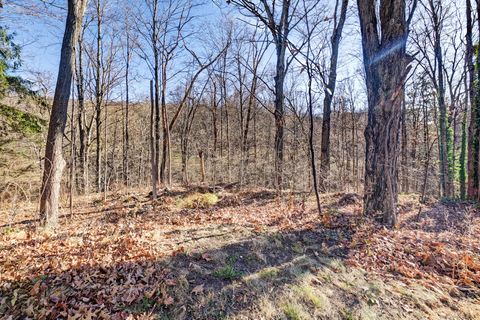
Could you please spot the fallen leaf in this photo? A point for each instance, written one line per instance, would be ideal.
(198, 289)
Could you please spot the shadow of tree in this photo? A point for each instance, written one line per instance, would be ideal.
(455, 216)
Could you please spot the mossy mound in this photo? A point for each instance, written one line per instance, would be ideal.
(198, 201)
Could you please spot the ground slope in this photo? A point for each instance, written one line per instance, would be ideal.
(249, 256)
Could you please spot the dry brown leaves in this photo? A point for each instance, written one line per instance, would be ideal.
(108, 261)
(428, 247)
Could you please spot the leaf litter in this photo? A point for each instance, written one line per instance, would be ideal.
(132, 256)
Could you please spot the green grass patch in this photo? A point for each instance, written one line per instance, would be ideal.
(268, 273)
(228, 272)
(9, 230)
(292, 311)
(347, 314)
(309, 295)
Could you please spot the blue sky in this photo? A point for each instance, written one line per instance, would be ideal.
(40, 36)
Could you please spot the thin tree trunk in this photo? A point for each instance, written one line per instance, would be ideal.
(404, 148)
(81, 118)
(156, 70)
(310, 137)
(152, 143)
(330, 91)
(98, 96)
(105, 155)
(127, 109)
(201, 156)
(72, 151)
(279, 115)
(444, 145)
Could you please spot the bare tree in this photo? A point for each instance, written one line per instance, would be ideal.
(330, 83)
(279, 21)
(54, 161)
(435, 10)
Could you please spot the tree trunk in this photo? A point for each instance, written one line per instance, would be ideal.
(72, 152)
(279, 115)
(385, 61)
(98, 97)
(156, 70)
(152, 143)
(201, 156)
(163, 164)
(127, 107)
(54, 162)
(329, 92)
(81, 118)
(404, 148)
(474, 125)
(105, 153)
(443, 141)
(310, 136)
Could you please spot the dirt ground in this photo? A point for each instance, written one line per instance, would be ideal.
(251, 255)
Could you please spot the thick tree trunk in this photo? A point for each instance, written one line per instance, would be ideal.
(54, 162)
(385, 61)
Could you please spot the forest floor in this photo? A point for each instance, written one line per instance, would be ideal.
(249, 256)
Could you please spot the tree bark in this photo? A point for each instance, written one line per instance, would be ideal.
(385, 61)
(54, 161)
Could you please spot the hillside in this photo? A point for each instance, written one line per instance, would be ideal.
(248, 256)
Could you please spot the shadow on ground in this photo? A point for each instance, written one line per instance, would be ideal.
(191, 284)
